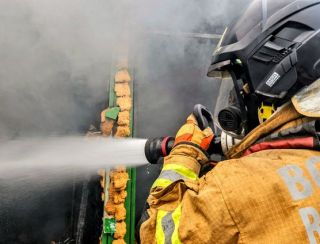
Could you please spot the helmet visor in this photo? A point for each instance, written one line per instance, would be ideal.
(226, 98)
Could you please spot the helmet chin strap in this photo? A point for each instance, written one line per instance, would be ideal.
(242, 106)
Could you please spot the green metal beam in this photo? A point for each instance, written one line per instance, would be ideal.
(130, 202)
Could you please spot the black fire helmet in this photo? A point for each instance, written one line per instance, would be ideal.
(275, 44)
(273, 48)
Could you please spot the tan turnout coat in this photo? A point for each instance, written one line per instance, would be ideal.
(270, 196)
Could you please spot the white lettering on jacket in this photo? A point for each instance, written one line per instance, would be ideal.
(313, 170)
(300, 187)
(311, 221)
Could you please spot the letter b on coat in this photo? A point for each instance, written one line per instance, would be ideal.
(299, 186)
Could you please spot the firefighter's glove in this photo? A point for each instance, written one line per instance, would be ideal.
(192, 142)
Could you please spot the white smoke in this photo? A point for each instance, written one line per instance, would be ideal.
(55, 56)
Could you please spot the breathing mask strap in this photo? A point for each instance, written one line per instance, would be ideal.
(242, 106)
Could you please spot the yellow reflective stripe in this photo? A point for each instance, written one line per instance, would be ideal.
(167, 226)
(188, 173)
(159, 230)
(177, 170)
(161, 183)
(176, 219)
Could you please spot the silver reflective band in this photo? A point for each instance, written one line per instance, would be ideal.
(171, 175)
(168, 227)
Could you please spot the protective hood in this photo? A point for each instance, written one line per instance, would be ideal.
(307, 101)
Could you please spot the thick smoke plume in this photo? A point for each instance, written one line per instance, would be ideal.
(56, 60)
(56, 55)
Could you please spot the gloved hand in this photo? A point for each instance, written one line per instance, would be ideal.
(186, 157)
(192, 142)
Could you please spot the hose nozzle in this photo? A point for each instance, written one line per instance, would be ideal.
(160, 147)
(157, 148)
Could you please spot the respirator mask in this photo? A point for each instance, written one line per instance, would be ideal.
(231, 113)
(230, 117)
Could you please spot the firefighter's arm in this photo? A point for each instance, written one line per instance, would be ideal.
(179, 174)
(205, 216)
(198, 215)
(184, 161)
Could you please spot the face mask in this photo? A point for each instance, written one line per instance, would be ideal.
(230, 114)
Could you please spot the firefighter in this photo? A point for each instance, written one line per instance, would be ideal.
(268, 189)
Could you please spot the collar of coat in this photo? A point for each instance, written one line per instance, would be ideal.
(286, 129)
(292, 126)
